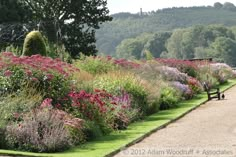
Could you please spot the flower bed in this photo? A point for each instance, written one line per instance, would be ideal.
(92, 98)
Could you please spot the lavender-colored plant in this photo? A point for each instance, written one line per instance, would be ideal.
(185, 90)
(221, 71)
(124, 113)
(172, 74)
(42, 130)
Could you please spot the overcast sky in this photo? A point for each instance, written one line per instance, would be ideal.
(134, 6)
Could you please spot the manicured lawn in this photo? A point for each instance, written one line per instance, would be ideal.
(136, 131)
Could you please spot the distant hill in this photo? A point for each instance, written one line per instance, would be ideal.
(127, 25)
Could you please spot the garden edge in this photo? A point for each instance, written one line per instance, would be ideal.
(139, 139)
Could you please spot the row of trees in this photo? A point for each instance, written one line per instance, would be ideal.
(226, 5)
(137, 47)
(126, 25)
(198, 41)
(69, 22)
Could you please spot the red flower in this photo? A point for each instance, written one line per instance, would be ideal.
(97, 90)
(123, 106)
(58, 105)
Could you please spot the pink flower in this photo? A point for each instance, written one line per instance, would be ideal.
(7, 73)
(46, 103)
(34, 79)
(28, 72)
(49, 77)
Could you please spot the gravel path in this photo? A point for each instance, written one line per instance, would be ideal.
(208, 131)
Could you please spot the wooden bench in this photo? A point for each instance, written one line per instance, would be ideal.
(211, 93)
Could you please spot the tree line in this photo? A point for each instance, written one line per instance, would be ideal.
(127, 25)
(200, 41)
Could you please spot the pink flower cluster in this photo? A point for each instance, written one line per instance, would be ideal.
(100, 102)
(177, 62)
(82, 100)
(69, 120)
(46, 103)
(194, 84)
(62, 115)
(125, 63)
(36, 62)
(121, 62)
(181, 65)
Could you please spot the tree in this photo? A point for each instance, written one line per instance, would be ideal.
(229, 6)
(174, 44)
(133, 47)
(157, 44)
(13, 11)
(13, 34)
(12, 16)
(225, 49)
(218, 5)
(187, 45)
(130, 48)
(73, 22)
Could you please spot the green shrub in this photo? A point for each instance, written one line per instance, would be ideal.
(14, 49)
(206, 75)
(58, 51)
(16, 103)
(34, 44)
(139, 95)
(2, 139)
(92, 130)
(169, 98)
(153, 89)
(84, 81)
(148, 55)
(95, 65)
(115, 82)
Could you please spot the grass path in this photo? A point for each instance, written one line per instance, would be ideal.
(116, 141)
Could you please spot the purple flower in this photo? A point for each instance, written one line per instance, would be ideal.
(184, 89)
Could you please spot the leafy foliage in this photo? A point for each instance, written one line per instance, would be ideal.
(127, 25)
(95, 65)
(21, 101)
(169, 98)
(213, 41)
(115, 82)
(68, 22)
(34, 44)
(68, 107)
(13, 11)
